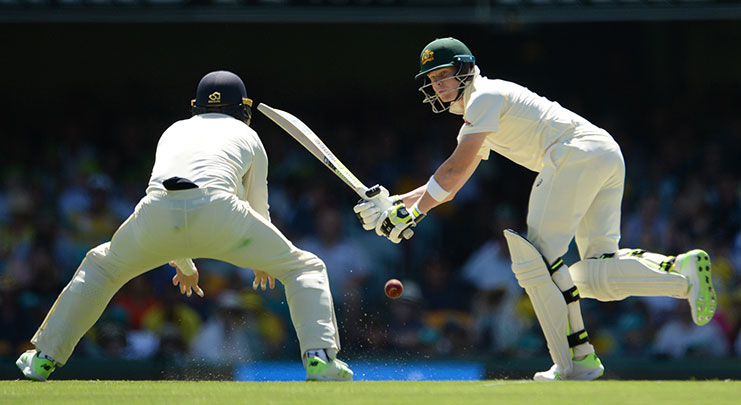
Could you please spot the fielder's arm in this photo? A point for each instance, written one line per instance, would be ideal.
(452, 174)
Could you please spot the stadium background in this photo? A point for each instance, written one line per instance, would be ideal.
(88, 87)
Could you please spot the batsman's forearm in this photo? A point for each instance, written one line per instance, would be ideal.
(451, 178)
(413, 196)
(426, 203)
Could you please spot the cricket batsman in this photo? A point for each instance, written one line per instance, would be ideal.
(577, 194)
(207, 197)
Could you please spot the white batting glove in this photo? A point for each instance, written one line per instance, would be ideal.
(369, 210)
(396, 223)
(368, 213)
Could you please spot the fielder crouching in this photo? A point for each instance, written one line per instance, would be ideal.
(577, 194)
(207, 197)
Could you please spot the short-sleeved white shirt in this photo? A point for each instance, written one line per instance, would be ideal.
(521, 124)
(214, 151)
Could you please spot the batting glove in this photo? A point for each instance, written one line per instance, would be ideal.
(369, 210)
(397, 222)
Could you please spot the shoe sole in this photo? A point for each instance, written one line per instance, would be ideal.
(703, 299)
(325, 378)
(590, 375)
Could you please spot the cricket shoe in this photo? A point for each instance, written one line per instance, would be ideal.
(586, 369)
(334, 370)
(34, 367)
(695, 266)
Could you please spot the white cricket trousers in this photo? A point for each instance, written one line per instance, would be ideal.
(197, 223)
(578, 194)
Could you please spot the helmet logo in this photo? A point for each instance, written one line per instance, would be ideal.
(214, 97)
(427, 56)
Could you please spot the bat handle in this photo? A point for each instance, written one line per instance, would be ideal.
(373, 191)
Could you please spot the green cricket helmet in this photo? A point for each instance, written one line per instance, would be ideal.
(442, 53)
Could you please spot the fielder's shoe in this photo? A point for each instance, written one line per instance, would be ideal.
(34, 367)
(587, 369)
(695, 266)
(320, 370)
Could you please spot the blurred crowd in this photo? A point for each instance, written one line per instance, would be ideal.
(68, 185)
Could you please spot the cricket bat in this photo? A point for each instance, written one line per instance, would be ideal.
(309, 140)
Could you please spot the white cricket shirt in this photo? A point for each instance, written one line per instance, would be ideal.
(521, 124)
(214, 151)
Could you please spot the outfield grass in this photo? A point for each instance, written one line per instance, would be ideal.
(371, 392)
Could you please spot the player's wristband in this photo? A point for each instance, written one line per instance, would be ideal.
(417, 213)
(436, 191)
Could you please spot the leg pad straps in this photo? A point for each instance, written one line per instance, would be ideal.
(577, 338)
(570, 295)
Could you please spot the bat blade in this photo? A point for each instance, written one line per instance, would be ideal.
(309, 140)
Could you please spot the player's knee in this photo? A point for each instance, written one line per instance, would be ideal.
(591, 279)
(309, 272)
(100, 268)
(527, 263)
(551, 247)
(314, 264)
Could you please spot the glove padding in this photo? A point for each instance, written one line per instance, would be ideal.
(396, 222)
(369, 210)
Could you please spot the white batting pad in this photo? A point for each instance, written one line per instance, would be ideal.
(626, 275)
(548, 301)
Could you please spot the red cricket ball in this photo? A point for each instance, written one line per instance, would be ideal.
(393, 288)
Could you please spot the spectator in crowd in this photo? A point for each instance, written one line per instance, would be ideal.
(173, 322)
(51, 199)
(346, 260)
(409, 335)
(679, 337)
(231, 334)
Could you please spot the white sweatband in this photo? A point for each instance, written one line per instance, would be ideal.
(436, 191)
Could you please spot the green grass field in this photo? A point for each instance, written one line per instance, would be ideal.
(371, 392)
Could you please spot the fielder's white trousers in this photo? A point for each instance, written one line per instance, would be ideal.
(578, 194)
(198, 223)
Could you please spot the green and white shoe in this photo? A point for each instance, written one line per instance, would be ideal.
(695, 266)
(320, 370)
(588, 369)
(34, 367)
